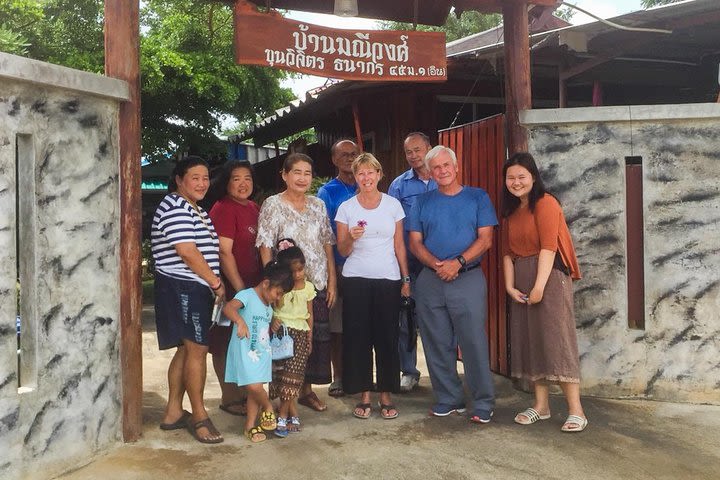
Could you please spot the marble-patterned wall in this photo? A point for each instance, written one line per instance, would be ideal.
(581, 153)
(69, 407)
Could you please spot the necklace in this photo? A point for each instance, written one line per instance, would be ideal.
(348, 191)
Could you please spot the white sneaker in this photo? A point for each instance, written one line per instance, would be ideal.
(408, 382)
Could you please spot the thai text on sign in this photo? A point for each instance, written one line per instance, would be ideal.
(377, 55)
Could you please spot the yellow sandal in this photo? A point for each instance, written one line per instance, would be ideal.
(268, 422)
(255, 435)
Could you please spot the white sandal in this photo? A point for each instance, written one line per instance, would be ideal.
(531, 416)
(574, 420)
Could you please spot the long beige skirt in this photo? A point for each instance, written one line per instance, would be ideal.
(543, 343)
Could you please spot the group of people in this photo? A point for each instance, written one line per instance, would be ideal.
(334, 272)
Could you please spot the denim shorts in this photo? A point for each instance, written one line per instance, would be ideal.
(183, 311)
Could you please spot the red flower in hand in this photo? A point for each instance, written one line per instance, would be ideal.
(361, 223)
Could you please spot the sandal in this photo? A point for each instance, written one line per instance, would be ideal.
(215, 436)
(387, 408)
(293, 424)
(239, 412)
(268, 421)
(366, 411)
(179, 423)
(531, 416)
(336, 389)
(311, 400)
(282, 429)
(579, 424)
(255, 435)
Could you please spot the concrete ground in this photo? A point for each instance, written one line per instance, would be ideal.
(629, 439)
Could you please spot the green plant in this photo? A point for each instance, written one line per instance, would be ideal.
(317, 182)
(148, 262)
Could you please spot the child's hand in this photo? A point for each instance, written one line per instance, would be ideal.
(309, 342)
(242, 329)
(275, 324)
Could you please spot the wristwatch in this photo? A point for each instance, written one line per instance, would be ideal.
(406, 279)
(461, 259)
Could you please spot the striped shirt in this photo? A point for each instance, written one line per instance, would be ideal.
(176, 221)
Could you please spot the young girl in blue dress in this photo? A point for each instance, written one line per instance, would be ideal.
(249, 360)
(294, 312)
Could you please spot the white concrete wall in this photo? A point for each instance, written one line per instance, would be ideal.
(581, 153)
(64, 125)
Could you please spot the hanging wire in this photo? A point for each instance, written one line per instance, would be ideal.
(457, 114)
(615, 25)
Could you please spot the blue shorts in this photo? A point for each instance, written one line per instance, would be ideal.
(183, 311)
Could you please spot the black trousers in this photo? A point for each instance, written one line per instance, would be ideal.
(370, 322)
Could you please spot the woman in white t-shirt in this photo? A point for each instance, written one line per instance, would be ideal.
(375, 276)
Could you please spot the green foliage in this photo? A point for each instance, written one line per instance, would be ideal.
(566, 13)
(189, 76)
(307, 135)
(654, 3)
(12, 42)
(469, 23)
(317, 182)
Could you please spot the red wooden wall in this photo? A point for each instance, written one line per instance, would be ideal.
(480, 148)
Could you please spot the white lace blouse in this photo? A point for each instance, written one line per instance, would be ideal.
(310, 229)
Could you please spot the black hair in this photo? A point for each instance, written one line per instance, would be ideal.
(290, 254)
(181, 168)
(218, 185)
(510, 202)
(279, 275)
(294, 158)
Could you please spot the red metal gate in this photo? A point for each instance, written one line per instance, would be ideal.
(480, 148)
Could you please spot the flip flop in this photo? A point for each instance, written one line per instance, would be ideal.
(574, 420)
(531, 416)
(365, 407)
(238, 413)
(311, 400)
(207, 423)
(387, 408)
(177, 425)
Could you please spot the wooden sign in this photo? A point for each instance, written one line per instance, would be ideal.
(270, 40)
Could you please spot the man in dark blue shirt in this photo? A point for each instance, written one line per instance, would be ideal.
(333, 193)
(407, 188)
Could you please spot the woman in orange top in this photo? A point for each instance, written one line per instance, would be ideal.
(539, 263)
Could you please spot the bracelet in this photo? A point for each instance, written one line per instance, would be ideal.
(406, 279)
(217, 287)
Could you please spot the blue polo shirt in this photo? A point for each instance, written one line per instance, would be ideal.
(407, 187)
(333, 193)
(449, 223)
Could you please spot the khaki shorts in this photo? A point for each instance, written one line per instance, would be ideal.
(336, 310)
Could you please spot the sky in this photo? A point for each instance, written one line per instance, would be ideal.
(303, 83)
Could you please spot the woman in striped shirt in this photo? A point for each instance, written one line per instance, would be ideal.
(187, 268)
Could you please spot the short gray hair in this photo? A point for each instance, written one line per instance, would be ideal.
(435, 151)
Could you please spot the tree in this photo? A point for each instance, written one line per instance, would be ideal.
(469, 22)
(654, 3)
(189, 77)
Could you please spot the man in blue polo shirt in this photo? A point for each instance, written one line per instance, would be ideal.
(407, 188)
(333, 193)
(451, 228)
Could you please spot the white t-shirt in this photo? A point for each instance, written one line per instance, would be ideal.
(373, 254)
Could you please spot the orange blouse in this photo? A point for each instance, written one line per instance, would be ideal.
(525, 233)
